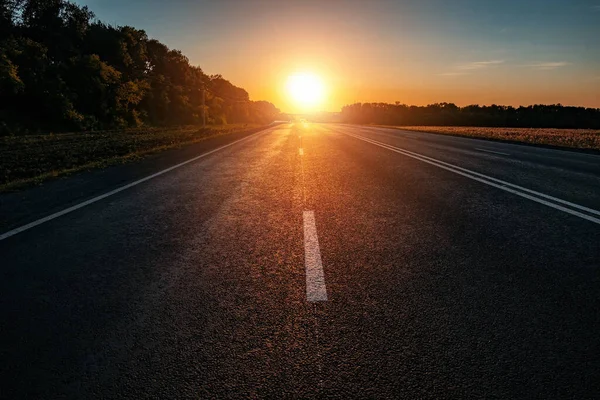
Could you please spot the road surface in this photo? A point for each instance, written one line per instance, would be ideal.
(309, 261)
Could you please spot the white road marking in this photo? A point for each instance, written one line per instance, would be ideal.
(490, 151)
(315, 278)
(497, 183)
(301, 151)
(40, 221)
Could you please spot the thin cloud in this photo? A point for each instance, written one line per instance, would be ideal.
(453, 74)
(596, 8)
(548, 65)
(480, 64)
(466, 69)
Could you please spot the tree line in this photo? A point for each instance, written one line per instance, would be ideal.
(63, 70)
(448, 114)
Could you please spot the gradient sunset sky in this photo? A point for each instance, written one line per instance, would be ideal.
(512, 52)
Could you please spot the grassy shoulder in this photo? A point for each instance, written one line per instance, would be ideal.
(569, 138)
(32, 159)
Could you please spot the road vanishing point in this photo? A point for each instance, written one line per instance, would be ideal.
(308, 261)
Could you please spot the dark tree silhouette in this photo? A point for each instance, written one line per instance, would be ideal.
(61, 70)
(448, 114)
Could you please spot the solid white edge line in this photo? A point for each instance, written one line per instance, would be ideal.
(490, 151)
(315, 277)
(557, 200)
(117, 190)
(489, 181)
(504, 183)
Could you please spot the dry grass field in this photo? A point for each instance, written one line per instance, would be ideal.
(31, 159)
(571, 138)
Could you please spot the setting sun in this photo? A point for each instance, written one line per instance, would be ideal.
(306, 90)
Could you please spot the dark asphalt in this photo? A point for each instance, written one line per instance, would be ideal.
(193, 285)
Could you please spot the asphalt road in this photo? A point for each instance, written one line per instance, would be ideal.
(374, 263)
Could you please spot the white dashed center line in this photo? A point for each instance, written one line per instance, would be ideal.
(315, 278)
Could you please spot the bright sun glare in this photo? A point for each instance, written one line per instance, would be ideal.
(305, 89)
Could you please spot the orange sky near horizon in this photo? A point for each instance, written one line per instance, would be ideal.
(359, 66)
(409, 83)
(465, 52)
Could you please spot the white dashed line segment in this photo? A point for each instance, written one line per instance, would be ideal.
(315, 277)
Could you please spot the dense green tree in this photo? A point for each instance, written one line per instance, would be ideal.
(62, 70)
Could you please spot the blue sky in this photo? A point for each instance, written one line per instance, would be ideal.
(418, 52)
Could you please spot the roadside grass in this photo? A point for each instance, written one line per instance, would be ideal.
(32, 159)
(569, 138)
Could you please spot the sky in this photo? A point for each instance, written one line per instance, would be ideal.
(510, 52)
